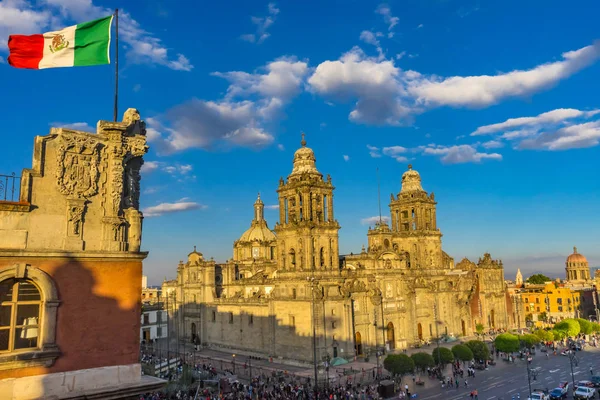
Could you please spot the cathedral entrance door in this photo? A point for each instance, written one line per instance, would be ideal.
(464, 328)
(493, 322)
(193, 331)
(358, 344)
(420, 331)
(390, 336)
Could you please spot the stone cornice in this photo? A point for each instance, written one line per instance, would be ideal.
(15, 206)
(77, 255)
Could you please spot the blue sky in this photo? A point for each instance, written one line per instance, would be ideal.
(494, 103)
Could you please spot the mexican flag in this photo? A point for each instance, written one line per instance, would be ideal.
(76, 46)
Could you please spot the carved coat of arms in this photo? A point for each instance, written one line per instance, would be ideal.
(77, 166)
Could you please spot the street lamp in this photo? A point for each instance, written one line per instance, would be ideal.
(573, 360)
(531, 373)
(435, 321)
(311, 280)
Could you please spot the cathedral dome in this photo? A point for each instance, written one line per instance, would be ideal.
(576, 257)
(304, 159)
(411, 181)
(258, 233)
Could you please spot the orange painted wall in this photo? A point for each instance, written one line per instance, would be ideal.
(99, 315)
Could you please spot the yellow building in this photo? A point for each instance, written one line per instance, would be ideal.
(550, 302)
(285, 286)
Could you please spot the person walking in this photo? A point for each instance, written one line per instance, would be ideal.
(475, 395)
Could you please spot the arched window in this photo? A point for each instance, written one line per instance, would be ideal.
(20, 302)
(28, 303)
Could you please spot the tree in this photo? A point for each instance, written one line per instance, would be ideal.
(462, 353)
(569, 325)
(538, 279)
(479, 349)
(585, 325)
(543, 316)
(442, 355)
(399, 364)
(544, 335)
(479, 328)
(422, 361)
(595, 327)
(507, 342)
(559, 335)
(528, 340)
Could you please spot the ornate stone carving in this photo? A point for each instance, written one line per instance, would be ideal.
(75, 218)
(77, 165)
(134, 231)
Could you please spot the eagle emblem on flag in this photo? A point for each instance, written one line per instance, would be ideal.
(58, 43)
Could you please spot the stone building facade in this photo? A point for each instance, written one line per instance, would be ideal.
(71, 268)
(283, 288)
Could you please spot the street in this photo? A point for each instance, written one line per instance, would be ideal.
(505, 381)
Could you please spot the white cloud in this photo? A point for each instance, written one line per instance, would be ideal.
(169, 208)
(280, 147)
(233, 120)
(171, 169)
(459, 154)
(486, 90)
(493, 144)
(374, 220)
(400, 55)
(370, 37)
(20, 17)
(373, 83)
(388, 18)
(387, 95)
(272, 207)
(262, 24)
(550, 117)
(137, 87)
(419, 26)
(396, 153)
(77, 126)
(346, 157)
(560, 129)
(374, 151)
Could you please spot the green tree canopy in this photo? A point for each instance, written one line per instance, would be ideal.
(422, 360)
(479, 349)
(569, 326)
(399, 364)
(544, 335)
(528, 340)
(462, 352)
(543, 316)
(479, 328)
(595, 327)
(538, 279)
(507, 342)
(585, 325)
(442, 355)
(559, 335)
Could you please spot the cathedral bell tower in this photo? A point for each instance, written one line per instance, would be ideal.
(414, 222)
(307, 233)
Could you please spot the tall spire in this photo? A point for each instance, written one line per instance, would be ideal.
(303, 141)
(259, 209)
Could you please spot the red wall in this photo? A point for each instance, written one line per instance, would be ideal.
(98, 320)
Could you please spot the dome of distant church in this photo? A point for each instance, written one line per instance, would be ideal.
(304, 159)
(576, 257)
(258, 232)
(411, 180)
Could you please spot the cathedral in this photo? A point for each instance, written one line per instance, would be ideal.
(288, 289)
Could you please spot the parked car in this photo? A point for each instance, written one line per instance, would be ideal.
(560, 392)
(585, 383)
(596, 380)
(584, 392)
(539, 394)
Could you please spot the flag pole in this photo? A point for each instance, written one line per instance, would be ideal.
(116, 65)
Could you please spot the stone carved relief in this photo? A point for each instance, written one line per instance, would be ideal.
(75, 218)
(134, 221)
(77, 166)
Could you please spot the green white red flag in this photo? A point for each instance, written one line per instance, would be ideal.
(76, 46)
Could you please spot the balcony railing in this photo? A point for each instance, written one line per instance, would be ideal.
(10, 186)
